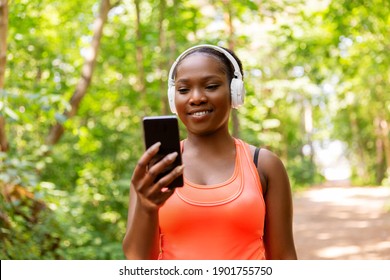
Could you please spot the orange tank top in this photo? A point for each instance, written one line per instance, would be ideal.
(223, 221)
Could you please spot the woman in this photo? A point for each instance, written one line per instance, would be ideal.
(235, 203)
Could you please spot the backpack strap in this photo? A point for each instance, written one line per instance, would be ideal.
(256, 156)
(262, 179)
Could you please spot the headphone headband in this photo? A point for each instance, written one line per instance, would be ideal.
(237, 71)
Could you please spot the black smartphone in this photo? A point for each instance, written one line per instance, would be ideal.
(164, 129)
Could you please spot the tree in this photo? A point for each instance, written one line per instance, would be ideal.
(360, 30)
(86, 75)
(3, 59)
(340, 48)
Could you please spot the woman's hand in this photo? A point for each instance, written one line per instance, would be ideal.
(152, 195)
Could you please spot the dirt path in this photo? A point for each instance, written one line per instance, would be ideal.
(336, 221)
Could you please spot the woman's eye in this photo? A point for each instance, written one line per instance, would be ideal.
(182, 90)
(212, 87)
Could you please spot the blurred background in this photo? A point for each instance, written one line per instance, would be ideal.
(76, 78)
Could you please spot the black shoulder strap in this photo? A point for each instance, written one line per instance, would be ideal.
(262, 179)
(256, 156)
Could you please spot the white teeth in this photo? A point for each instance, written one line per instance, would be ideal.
(198, 114)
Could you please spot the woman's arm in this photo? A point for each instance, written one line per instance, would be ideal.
(278, 231)
(141, 240)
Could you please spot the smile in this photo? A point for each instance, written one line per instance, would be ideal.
(200, 113)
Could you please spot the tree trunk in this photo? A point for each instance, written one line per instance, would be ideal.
(171, 52)
(3, 39)
(380, 161)
(361, 165)
(3, 60)
(162, 60)
(140, 86)
(229, 23)
(86, 76)
(384, 130)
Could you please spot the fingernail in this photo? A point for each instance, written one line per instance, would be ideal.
(180, 168)
(172, 156)
(155, 145)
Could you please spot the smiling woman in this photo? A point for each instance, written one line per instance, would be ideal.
(236, 199)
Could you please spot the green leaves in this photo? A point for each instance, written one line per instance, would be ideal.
(313, 73)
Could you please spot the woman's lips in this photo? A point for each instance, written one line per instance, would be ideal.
(199, 113)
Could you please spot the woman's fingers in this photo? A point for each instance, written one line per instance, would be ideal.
(159, 192)
(163, 196)
(167, 179)
(161, 185)
(160, 166)
(144, 176)
(142, 165)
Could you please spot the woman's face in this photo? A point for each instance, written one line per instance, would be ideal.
(202, 95)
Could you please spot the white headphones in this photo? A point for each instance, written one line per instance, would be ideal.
(237, 88)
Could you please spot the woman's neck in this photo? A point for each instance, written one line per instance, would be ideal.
(213, 142)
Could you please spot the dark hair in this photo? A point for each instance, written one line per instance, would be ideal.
(227, 66)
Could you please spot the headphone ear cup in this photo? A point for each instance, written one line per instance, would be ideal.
(237, 90)
(171, 98)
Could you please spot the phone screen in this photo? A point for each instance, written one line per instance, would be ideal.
(164, 129)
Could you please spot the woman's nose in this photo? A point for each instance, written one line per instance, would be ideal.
(198, 96)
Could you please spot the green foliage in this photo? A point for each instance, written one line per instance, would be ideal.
(28, 227)
(327, 59)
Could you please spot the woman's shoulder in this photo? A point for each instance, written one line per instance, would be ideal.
(270, 167)
(265, 155)
(268, 163)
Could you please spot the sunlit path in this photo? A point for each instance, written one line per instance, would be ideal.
(336, 221)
